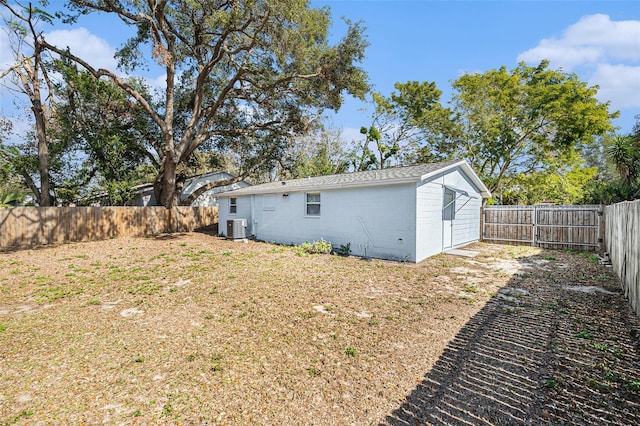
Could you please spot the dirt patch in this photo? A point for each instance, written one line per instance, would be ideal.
(194, 329)
(542, 351)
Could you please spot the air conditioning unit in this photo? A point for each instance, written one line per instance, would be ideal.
(236, 229)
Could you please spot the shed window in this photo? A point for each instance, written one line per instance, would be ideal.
(233, 205)
(449, 205)
(313, 204)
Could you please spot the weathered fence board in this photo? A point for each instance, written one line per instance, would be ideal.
(552, 227)
(623, 246)
(33, 226)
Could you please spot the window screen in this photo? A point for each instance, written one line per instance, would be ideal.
(449, 205)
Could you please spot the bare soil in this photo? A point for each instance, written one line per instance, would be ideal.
(193, 329)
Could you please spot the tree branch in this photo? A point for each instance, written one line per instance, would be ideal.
(117, 80)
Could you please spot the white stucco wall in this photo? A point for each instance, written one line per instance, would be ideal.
(376, 221)
(401, 222)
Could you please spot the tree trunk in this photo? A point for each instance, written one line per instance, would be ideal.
(41, 131)
(164, 186)
(204, 188)
(43, 158)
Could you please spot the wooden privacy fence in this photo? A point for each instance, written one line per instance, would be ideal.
(623, 245)
(551, 227)
(33, 226)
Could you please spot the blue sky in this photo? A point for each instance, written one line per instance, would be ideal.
(438, 41)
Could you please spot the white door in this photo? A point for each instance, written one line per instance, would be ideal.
(448, 217)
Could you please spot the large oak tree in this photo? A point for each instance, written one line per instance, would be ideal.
(241, 75)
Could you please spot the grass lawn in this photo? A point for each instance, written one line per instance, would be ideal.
(194, 329)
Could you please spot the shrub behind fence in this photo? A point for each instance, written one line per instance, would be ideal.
(33, 226)
(623, 245)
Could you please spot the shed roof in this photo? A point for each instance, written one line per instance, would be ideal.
(389, 176)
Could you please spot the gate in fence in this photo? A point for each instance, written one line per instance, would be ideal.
(551, 227)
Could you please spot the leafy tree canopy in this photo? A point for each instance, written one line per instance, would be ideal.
(111, 133)
(525, 120)
(623, 154)
(522, 130)
(241, 76)
(319, 153)
(402, 124)
(542, 187)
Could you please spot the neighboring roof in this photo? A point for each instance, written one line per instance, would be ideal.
(195, 182)
(192, 183)
(142, 187)
(390, 176)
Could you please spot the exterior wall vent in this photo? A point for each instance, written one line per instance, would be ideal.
(236, 229)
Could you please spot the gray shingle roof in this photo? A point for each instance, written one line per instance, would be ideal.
(393, 175)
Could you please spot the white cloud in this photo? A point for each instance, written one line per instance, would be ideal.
(159, 82)
(601, 51)
(593, 39)
(619, 84)
(94, 50)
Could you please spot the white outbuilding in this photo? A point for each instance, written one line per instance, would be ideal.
(400, 213)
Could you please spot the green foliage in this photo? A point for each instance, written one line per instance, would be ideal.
(526, 120)
(319, 153)
(584, 335)
(82, 127)
(344, 250)
(624, 154)
(350, 351)
(317, 247)
(401, 123)
(99, 119)
(11, 190)
(30, 77)
(523, 130)
(11, 198)
(23, 414)
(632, 385)
(551, 383)
(559, 188)
(278, 71)
(601, 192)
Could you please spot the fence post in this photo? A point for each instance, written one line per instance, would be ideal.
(534, 229)
(482, 212)
(602, 223)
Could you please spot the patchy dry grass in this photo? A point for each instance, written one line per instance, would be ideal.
(194, 329)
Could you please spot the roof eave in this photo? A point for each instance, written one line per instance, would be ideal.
(483, 190)
(287, 189)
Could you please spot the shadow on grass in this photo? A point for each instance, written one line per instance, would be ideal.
(538, 353)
